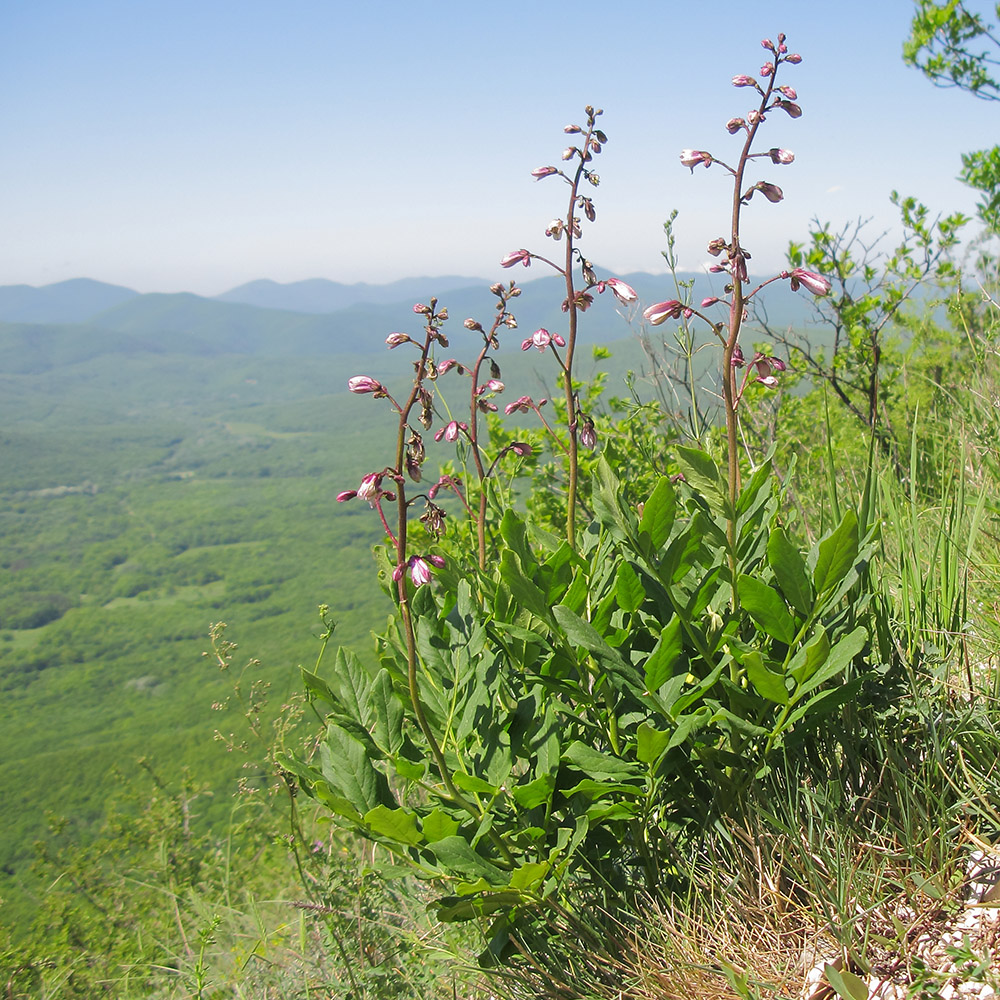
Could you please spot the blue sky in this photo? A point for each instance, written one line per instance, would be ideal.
(197, 145)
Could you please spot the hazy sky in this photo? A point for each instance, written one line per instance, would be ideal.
(197, 145)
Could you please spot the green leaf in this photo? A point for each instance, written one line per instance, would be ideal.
(669, 648)
(836, 554)
(345, 766)
(767, 683)
(847, 985)
(529, 875)
(316, 687)
(600, 766)
(651, 743)
(583, 635)
(514, 533)
(437, 825)
(470, 783)
(696, 692)
(840, 657)
(790, 571)
(607, 504)
(352, 684)
(629, 591)
(658, 513)
(523, 590)
(455, 854)
(767, 609)
(688, 724)
(388, 729)
(700, 470)
(811, 657)
(534, 793)
(394, 824)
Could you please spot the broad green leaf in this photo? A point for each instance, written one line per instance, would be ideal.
(700, 470)
(534, 793)
(810, 657)
(394, 824)
(767, 609)
(847, 985)
(583, 635)
(346, 767)
(514, 533)
(316, 687)
(455, 854)
(843, 651)
(470, 783)
(836, 554)
(628, 588)
(524, 591)
(597, 765)
(529, 875)
(767, 683)
(658, 513)
(696, 692)
(612, 790)
(789, 570)
(437, 825)
(454, 909)
(660, 665)
(688, 724)
(352, 684)
(650, 743)
(606, 501)
(388, 729)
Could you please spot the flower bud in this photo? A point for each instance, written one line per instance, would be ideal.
(692, 157)
(794, 58)
(710, 301)
(742, 80)
(346, 495)
(539, 172)
(472, 324)
(363, 383)
(572, 129)
(520, 448)
(625, 293)
(588, 436)
(734, 125)
(767, 69)
(794, 111)
(569, 152)
(661, 311)
(781, 155)
(716, 246)
(521, 405)
(395, 339)
(516, 257)
(789, 92)
(812, 281)
(421, 310)
(766, 43)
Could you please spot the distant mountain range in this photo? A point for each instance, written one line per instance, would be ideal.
(80, 319)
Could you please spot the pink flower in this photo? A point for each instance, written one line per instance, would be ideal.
(495, 385)
(781, 155)
(539, 172)
(421, 310)
(789, 92)
(710, 301)
(395, 339)
(521, 405)
(734, 125)
(742, 80)
(520, 448)
(794, 111)
(767, 69)
(588, 436)
(541, 339)
(794, 58)
(346, 495)
(812, 281)
(656, 314)
(420, 569)
(516, 257)
(692, 157)
(625, 294)
(569, 152)
(449, 432)
(370, 488)
(766, 43)
(364, 383)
